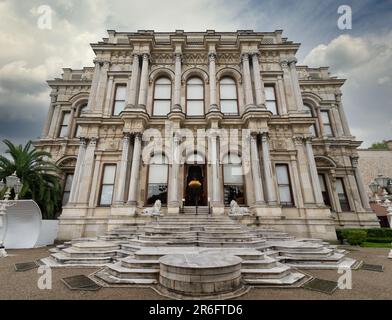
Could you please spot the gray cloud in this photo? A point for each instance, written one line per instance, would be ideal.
(30, 56)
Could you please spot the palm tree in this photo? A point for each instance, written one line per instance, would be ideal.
(39, 176)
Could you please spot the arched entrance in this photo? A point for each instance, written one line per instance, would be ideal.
(195, 169)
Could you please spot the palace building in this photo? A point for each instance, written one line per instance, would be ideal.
(230, 110)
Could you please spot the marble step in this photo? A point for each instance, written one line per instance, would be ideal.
(133, 263)
(125, 273)
(95, 246)
(112, 280)
(344, 263)
(74, 253)
(63, 258)
(277, 272)
(265, 263)
(291, 279)
(334, 257)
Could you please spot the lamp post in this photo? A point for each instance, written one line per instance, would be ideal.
(12, 182)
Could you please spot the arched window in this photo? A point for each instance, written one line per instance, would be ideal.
(162, 97)
(309, 111)
(194, 97)
(228, 96)
(157, 179)
(233, 179)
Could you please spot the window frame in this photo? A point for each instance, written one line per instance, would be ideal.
(290, 185)
(350, 209)
(148, 179)
(101, 184)
(154, 99)
(67, 174)
(273, 86)
(114, 100)
(62, 125)
(327, 112)
(243, 177)
(186, 98)
(312, 113)
(236, 93)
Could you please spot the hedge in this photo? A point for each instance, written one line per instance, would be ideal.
(357, 235)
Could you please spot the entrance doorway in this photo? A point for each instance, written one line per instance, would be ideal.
(198, 172)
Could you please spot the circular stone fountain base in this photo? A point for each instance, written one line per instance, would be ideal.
(200, 274)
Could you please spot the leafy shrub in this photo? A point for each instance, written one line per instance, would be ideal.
(379, 239)
(356, 237)
(379, 233)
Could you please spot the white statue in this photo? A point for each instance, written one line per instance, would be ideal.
(155, 210)
(236, 210)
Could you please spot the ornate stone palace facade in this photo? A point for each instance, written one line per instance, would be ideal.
(231, 110)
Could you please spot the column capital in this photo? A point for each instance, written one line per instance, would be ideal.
(292, 61)
(212, 56)
(146, 56)
(93, 141)
(83, 141)
(178, 56)
(284, 63)
(245, 56)
(338, 97)
(298, 140)
(264, 136)
(127, 136)
(255, 54)
(354, 161)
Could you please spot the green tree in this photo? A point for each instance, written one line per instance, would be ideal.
(379, 145)
(38, 174)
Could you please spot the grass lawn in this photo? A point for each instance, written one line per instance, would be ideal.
(376, 245)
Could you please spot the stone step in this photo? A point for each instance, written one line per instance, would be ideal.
(95, 246)
(132, 263)
(265, 263)
(288, 280)
(63, 258)
(112, 280)
(277, 272)
(344, 263)
(74, 253)
(125, 273)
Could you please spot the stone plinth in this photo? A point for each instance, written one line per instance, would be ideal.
(200, 274)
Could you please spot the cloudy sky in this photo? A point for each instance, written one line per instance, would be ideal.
(30, 55)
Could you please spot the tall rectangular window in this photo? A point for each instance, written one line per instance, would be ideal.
(162, 97)
(63, 133)
(326, 123)
(67, 188)
(284, 185)
(195, 97)
(324, 190)
(107, 185)
(119, 99)
(270, 99)
(342, 195)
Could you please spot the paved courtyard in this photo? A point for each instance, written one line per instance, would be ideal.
(23, 285)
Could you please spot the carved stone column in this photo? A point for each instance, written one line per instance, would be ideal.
(283, 105)
(342, 114)
(313, 172)
(213, 144)
(86, 173)
(247, 80)
(122, 171)
(269, 184)
(212, 71)
(360, 184)
(256, 173)
(295, 83)
(177, 82)
(288, 87)
(174, 201)
(144, 82)
(132, 91)
(77, 172)
(53, 99)
(101, 88)
(94, 85)
(135, 169)
(259, 86)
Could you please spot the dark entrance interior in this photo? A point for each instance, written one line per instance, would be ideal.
(197, 172)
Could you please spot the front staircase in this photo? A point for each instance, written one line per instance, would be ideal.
(130, 254)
